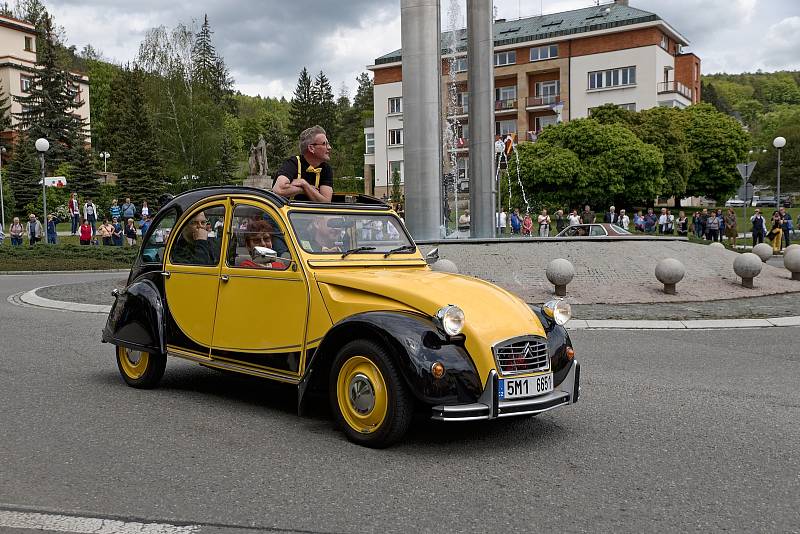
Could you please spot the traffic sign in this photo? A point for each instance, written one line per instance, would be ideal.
(746, 169)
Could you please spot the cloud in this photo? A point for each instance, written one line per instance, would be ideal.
(782, 44)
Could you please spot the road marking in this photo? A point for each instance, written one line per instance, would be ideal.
(87, 525)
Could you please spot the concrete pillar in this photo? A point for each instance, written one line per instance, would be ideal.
(420, 28)
(480, 79)
(522, 98)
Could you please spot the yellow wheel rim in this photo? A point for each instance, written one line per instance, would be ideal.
(133, 362)
(361, 392)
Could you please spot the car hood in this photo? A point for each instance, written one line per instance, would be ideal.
(492, 314)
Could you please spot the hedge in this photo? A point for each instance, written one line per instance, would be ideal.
(65, 257)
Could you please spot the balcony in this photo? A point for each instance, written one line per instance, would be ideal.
(675, 87)
(541, 102)
(501, 106)
(458, 111)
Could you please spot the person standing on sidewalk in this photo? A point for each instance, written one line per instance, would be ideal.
(74, 213)
(90, 213)
(128, 209)
(51, 230)
(130, 232)
(105, 231)
(561, 221)
(86, 233)
(34, 229)
(712, 227)
(16, 231)
(115, 210)
(544, 224)
(786, 226)
(683, 224)
(731, 231)
(759, 227)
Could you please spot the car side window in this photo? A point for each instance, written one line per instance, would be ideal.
(199, 240)
(153, 250)
(597, 230)
(256, 241)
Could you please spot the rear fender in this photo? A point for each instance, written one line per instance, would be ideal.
(137, 319)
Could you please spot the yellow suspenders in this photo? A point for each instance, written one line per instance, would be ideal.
(316, 171)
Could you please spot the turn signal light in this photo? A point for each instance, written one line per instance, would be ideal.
(570, 353)
(437, 370)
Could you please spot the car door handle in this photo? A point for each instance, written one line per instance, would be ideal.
(224, 278)
(166, 274)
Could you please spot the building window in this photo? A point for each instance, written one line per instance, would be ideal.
(25, 83)
(77, 97)
(664, 42)
(548, 91)
(395, 105)
(396, 137)
(612, 78)
(369, 139)
(505, 58)
(505, 127)
(29, 44)
(505, 93)
(541, 122)
(462, 100)
(544, 52)
(461, 64)
(395, 166)
(462, 132)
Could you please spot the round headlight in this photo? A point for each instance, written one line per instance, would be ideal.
(558, 310)
(451, 319)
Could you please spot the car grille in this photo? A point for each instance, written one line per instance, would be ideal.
(522, 355)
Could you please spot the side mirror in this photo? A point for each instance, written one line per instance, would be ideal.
(265, 255)
(432, 256)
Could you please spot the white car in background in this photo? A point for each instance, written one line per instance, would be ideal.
(735, 203)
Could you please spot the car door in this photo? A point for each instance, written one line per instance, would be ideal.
(262, 305)
(191, 275)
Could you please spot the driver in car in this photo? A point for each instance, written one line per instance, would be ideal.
(324, 232)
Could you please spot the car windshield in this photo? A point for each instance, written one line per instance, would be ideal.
(619, 229)
(339, 233)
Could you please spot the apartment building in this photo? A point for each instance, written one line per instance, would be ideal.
(18, 62)
(548, 68)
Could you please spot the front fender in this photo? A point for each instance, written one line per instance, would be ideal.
(416, 345)
(557, 342)
(137, 319)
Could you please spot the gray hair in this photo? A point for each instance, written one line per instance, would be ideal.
(308, 135)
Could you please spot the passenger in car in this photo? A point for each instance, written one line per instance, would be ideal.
(259, 234)
(193, 246)
(324, 234)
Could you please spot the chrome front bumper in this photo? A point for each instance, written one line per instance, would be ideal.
(489, 406)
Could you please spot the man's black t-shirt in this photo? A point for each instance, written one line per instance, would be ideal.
(289, 169)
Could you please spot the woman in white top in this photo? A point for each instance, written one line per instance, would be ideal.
(145, 210)
(544, 224)
(624, 220)
(574, 218)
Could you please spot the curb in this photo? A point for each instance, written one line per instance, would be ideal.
(31, 298)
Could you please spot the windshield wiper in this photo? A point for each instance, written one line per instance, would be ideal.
(354, 250)
(404, 248)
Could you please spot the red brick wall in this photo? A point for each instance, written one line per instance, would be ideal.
(388, 75)
(615, 41)
(686, 65)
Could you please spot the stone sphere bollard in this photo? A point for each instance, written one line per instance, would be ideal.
(747, 266)
(791, 260)
(444, 266)
(791, 247)
(763, 251)
(717, 244)
(669, 272)
(560, 272)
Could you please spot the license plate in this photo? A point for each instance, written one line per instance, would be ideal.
(517, 388)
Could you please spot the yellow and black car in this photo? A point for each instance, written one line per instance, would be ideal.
(334, 298)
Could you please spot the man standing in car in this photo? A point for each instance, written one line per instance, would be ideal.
(307, 176)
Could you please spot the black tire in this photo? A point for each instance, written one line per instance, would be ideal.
(142, 370)
(364, 370)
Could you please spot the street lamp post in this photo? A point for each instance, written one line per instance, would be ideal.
(779, 143)
(105, 156)
(2, 203)
(43, 145)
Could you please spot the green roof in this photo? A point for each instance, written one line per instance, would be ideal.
(546, 27)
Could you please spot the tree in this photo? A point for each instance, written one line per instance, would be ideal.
(47, 110)
(131, 131)
(324, 113)
(230, 150)
(364, 94)
(719, 143)
(5, 106)
(100, 76)
(24, 173)
(710, 96)
(209, 69)
(83, 175)
(396, 193)
(303, 112)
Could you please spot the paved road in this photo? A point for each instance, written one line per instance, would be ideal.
(675, 431)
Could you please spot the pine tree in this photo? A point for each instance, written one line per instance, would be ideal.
(47, 110)
(302, 111)
(131, 133)
(364, 94)
(209, 69)
(84, 178)
(324, 106)
(227, 167)
(24, 173)
(5, 106)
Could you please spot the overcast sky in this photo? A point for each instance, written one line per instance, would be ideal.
(266, 43)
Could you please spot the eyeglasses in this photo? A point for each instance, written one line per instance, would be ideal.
(326, 143)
